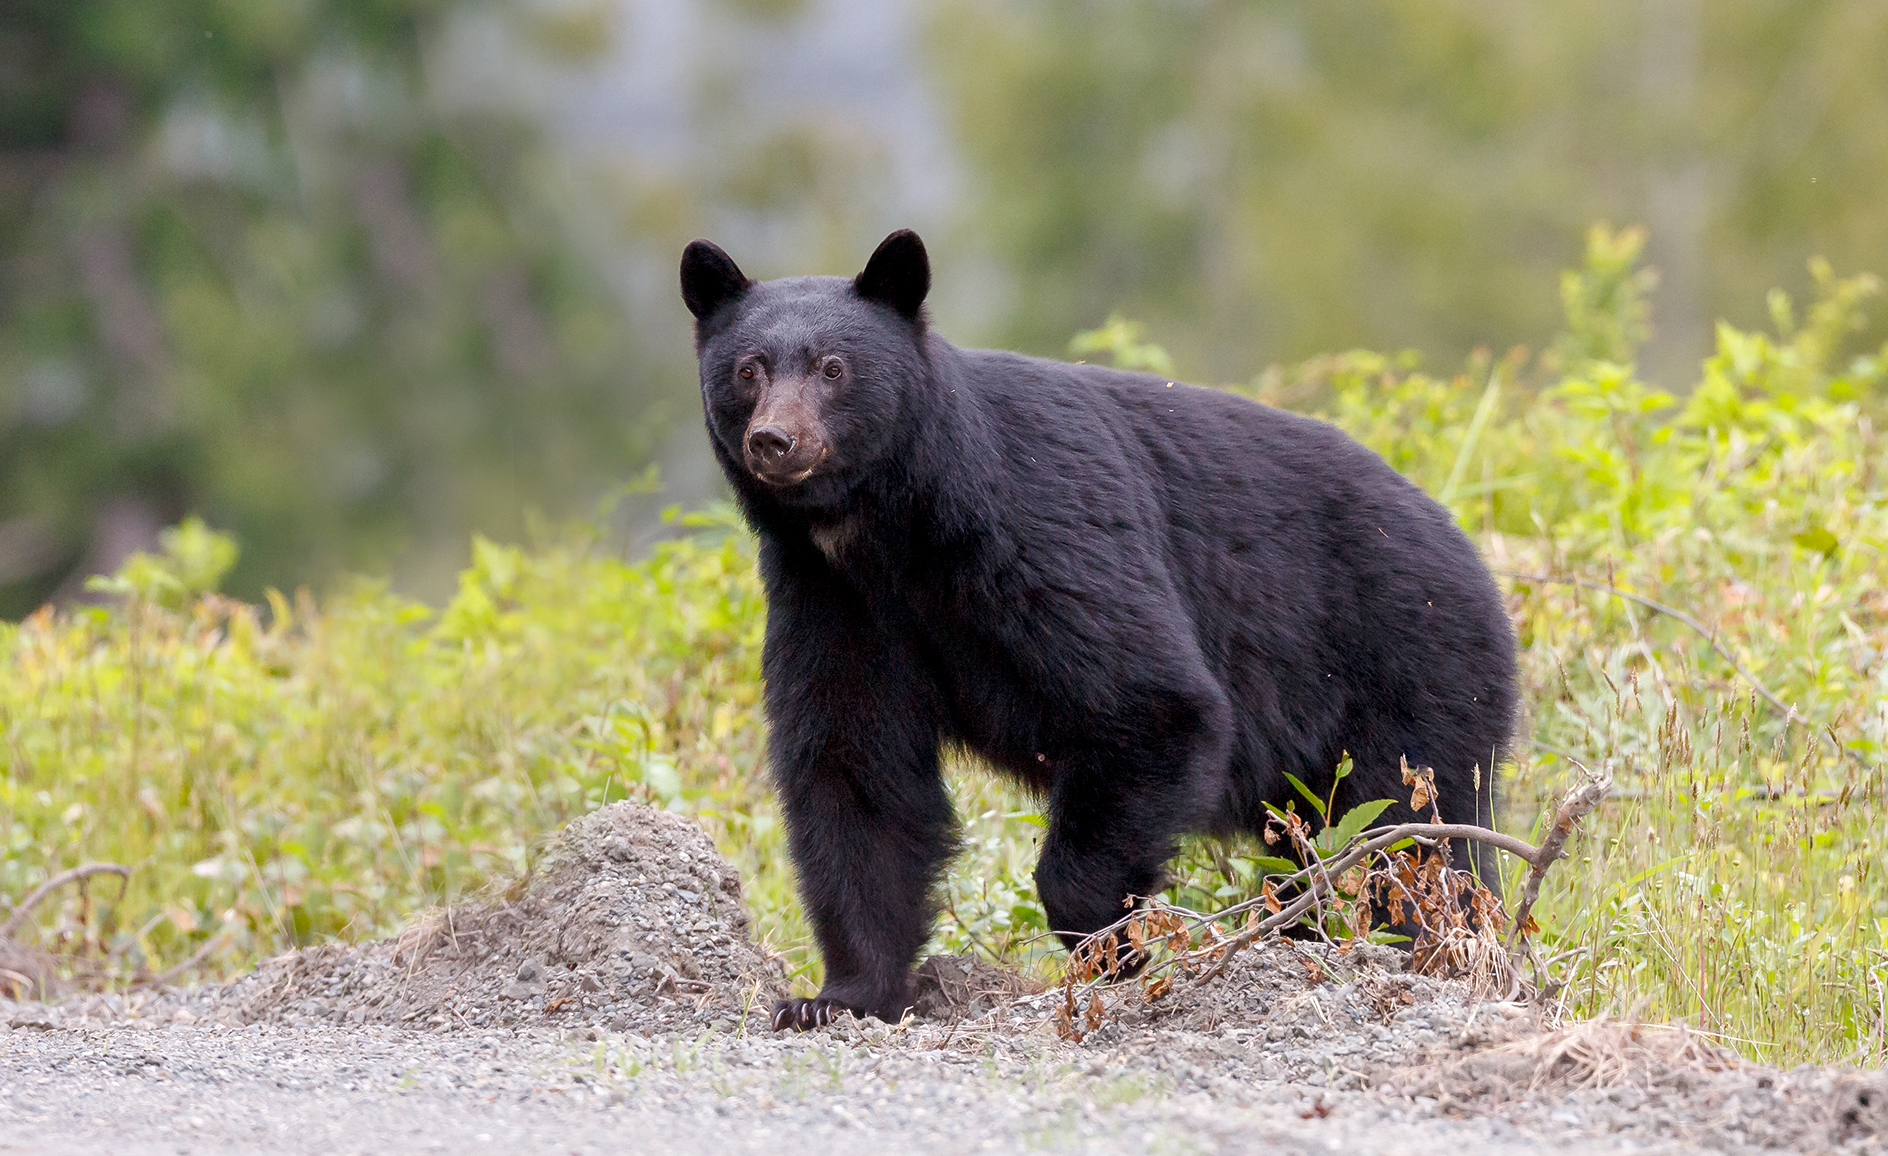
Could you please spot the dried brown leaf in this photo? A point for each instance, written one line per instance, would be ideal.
(1065, 1024)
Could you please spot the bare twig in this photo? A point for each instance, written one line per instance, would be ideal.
(1380, 838)
(202, 953)
(1578, 803)
(24, 907)
(1315, 881)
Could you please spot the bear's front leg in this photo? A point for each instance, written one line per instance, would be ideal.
(854, 749)
(869, 839)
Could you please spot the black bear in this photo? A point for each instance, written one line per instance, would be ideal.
(1146, 600)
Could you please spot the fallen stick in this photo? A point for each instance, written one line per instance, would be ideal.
(175, 970)
(83, 871)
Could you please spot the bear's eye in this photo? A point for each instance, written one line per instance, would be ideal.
(747, 373)
(833, 369)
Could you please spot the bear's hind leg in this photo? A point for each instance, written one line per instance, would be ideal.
(1114, 813)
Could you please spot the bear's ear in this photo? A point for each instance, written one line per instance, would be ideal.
(899, 274)
(710, 279)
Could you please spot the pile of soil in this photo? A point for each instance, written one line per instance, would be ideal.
(633, 923)
(960, 987)
(1356, 1024)
(1623, 1076)
(1304, 1013)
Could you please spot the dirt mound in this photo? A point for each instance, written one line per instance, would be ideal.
(1306, 1013)
(1622, 1076)
(632, 923)
(954, 987)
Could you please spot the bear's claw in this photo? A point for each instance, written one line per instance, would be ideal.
(803, 1015)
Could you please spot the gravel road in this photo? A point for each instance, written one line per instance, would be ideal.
(327, 1091)
(614, 1003)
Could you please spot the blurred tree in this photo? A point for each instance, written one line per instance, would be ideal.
(1260, 180)
(295, 266)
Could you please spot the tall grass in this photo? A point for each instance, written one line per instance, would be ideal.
(288, 774)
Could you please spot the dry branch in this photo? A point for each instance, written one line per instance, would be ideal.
(1097, 957)
(1578, 803)
(24, 907)
(175, 970)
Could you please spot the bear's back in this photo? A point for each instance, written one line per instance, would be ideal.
(1319, 583)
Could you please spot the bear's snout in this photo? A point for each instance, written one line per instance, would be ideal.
(784, 444)
(767, 445)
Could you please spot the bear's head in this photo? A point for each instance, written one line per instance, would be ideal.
(805, 380)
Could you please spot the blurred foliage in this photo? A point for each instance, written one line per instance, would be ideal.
(1123, 341)
(314, 271)
(318, 770)
(295, 266)
(1262, 180)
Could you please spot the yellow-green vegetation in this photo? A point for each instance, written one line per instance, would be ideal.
(1734, 880)
(285, 774)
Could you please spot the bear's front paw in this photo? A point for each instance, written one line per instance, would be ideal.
(803, 1015)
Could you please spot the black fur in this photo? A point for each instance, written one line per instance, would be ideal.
(1146, 600)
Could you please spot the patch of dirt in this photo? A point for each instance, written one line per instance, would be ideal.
(633, 923)
(1613, 1076)
(955, 987)
(1297, 1012)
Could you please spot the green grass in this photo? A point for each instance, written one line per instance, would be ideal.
(299, 772)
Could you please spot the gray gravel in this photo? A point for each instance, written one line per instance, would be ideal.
(1000, 1082)
(330, 1090)
(614, 1003)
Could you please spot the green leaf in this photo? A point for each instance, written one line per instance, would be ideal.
(1306, 792)
(1273, 865)
(1028, 915)
(1358, 819)
(1818, 539)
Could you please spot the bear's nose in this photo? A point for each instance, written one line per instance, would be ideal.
(769, 445)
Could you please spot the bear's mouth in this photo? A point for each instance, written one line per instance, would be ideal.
(780, 479)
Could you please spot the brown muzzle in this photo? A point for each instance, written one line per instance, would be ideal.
(786, 441)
